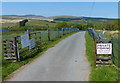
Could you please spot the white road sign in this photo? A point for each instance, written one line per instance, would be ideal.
(104, 48)
(25, 40)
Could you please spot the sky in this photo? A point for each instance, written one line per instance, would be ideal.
(60, 0)
(47, 9)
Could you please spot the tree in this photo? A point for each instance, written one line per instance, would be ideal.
(90, 25)
(62, 25)
(23, 22)
(110, 26)
(80, 26)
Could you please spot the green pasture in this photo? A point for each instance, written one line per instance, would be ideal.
(32, 24)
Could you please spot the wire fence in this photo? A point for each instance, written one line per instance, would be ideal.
(92, 33)
(15, 49)
(116, 50)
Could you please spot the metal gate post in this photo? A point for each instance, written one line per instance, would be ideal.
(15, 47)
(48, 34)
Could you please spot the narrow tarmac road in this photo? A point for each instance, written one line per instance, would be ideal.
(65, 62)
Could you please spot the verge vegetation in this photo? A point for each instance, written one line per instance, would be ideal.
(104, 73)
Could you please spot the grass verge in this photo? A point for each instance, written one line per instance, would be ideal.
(99, 73)
(8, 69)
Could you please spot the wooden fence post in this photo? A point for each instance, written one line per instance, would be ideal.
(63, 31)
(39, 33)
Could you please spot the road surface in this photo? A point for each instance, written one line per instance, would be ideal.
(66, 61)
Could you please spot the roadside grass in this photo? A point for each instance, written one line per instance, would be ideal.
(108, 73)
(89, 48)
(8, 69)
(104, 74)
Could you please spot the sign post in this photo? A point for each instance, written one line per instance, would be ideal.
(32, 43)
(102, 47)
(25, 40)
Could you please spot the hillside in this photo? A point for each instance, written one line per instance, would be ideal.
(80, 19)
(54, 17)
(37, 21)
(74, 19)
(17, 18)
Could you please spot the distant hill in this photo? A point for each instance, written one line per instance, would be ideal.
(81, 19)
(71, 19)
(17, 18)
(54, 17)
(31, 16)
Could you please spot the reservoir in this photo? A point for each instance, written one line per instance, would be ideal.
(4, 30)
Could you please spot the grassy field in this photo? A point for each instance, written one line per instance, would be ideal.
(31, 24)
(8, 68)
(98, 73)
(9, 25)
(7, 35)
(35, 25)
(40, 23)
